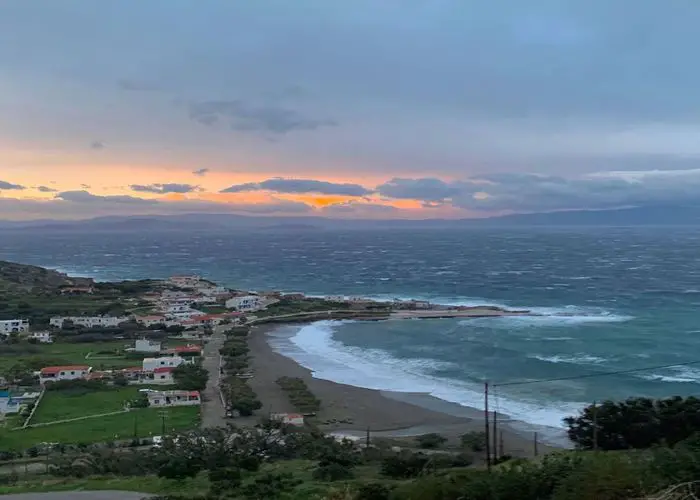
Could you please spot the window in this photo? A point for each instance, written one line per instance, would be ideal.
(72, 373)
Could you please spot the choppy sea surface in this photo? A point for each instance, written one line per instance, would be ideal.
(632, 298)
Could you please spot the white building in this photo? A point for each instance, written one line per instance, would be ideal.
(245, 303)
(335, 298)
(145, 345)
(296, 419)
(43, 337)
(89, 321)
(163, 376)
(8, 326)
(150, 364)
(150, 320)
(70, 372)
(174, 398)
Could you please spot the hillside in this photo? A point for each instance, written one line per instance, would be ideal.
(14, 276)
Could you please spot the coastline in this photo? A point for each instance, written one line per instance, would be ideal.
(349, 410)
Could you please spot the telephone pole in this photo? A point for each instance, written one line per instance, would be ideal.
(595, 426)
(487, 427)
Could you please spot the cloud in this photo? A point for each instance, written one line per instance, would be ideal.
(201, 172)
(136, 85)
(164, 188)
(244, 117)
(97, 145)
(46, 189)
(425, 189)
(10, 186)
(87, 197)
(300, 186)
(519, 192)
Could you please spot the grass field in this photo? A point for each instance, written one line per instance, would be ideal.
(144, 421)
(63, 353)
(61, 405)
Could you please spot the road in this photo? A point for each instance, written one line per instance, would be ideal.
(213, 411)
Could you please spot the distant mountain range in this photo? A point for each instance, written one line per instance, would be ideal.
(642, 216)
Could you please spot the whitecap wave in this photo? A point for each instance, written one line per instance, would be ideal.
(576, 359)
(313, 347)
(682, 374)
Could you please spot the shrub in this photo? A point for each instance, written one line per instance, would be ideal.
(474, 440)
(332, 472)
(431, 441)
(372, 491)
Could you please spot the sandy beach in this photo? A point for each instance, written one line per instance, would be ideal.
(351, 410)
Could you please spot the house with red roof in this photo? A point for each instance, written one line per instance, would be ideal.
(67, 372)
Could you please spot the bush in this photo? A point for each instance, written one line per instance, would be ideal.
(299, 394)
(474, 440)
(332, 472)
(403, 467)
(372, 491)
(431, 441)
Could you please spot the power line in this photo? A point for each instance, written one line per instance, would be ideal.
(600, 374)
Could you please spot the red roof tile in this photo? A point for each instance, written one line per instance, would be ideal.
(164, 369)
(67, 368)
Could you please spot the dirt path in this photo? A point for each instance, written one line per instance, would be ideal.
(79, 495)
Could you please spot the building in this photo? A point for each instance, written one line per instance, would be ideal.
(78, 290)
(173, 398)
(246, 303)
(296, 419)
(186, 352)
(335, 298)
(89, 321)
(70, 372)
(150, 364)
(163, 375)
(43, 337)
(150, 320)
(8, 326)
(145, 345)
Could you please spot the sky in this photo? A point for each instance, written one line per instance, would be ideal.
(359, 109)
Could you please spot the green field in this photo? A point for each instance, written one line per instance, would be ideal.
(62, 405)
(141, 423)
(64, 353)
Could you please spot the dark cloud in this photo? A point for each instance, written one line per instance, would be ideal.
(87, 197)
(299, 186)
(426, 189)
(201, 172)
(46, 189)
(164, 188)
(97, 145)
(10, 186)
(244, 117)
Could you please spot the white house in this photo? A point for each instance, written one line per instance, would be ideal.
(162, 375)
(335, 298)
(145, 345)
(150, 364)
(296, 419)
(173, 398)
(151, 320)
(245, 303)
(8, 326)
(89, 321)
(43, 337)
(70, 372)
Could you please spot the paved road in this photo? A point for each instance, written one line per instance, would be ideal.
(213, 412)
(78, 495)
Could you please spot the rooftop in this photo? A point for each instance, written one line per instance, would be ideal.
(66, 368)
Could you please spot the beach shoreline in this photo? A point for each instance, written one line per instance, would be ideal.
(349, 410)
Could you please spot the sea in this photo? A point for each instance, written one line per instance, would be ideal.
(611, 300)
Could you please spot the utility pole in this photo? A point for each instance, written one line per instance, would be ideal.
(163, 414)
(534, 444)
(136, 425)
(367, 438)
(595, 426)
(487, 427)
(495, 436)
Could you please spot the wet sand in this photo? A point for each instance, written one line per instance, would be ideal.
(351, 410)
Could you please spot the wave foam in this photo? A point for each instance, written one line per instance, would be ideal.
(576, 359)
(313, 347)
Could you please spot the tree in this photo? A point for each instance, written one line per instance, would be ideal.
(635, 423)
(179, 467)
(190, 377)
(430, 441)
(474, 440)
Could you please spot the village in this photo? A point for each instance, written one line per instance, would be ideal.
(119, 365)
